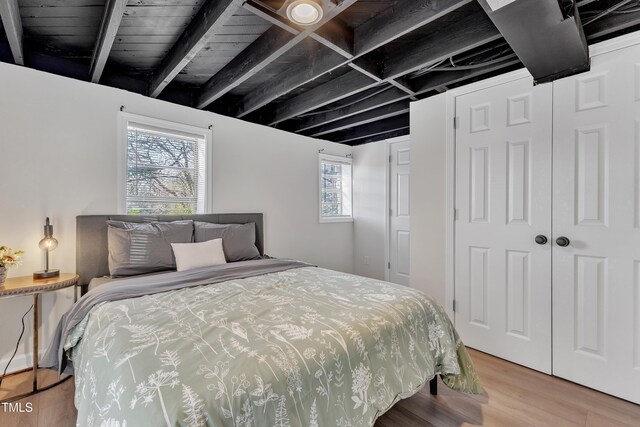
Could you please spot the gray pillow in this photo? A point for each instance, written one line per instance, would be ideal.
(139, 248)
(238, 240)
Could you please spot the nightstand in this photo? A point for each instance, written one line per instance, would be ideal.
(27, 285)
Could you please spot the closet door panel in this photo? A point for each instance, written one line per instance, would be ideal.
(596, 299)
(503, 200)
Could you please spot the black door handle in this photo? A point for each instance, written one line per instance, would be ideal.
(563, 241)
(541, 239)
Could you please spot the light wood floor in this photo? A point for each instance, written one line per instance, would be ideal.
(517, 397)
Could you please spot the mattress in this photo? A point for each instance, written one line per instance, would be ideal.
(267, 344)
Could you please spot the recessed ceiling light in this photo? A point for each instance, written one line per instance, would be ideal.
(304, 12)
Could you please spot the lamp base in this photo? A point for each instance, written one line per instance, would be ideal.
(46, 274)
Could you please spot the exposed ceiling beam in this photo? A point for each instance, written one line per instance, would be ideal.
(550, 44)
(274, 43)
(611, 24)
(208, 21)
(334, 90)
(389, 96)
(371, 129)
(421, 85)
(465, 35)
(436, 79)
(380, 113)
(10, 14)
(113, 11)
(380, 137)
(400, 19)
(471, 33)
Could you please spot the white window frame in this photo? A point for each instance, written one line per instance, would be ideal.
(333, 159)
(127, 118)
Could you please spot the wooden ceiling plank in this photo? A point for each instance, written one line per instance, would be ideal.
(274, 43)
(10, 14)
(113, 12)
(370, 129)
(208, 21)
(380, 113)
(400, 19)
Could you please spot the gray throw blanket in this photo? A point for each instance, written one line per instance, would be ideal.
(55, 357)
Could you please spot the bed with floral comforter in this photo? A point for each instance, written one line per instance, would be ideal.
(300, 346)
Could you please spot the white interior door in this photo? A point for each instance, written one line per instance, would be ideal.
(399, 232)
(503, 201)
(596, 205)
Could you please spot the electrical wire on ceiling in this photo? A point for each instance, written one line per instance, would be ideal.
(624, 6)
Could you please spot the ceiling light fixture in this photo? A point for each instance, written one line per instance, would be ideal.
(304, 12)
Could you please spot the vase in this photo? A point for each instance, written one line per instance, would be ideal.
(3, 275)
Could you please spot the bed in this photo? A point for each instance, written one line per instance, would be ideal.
(260, 342)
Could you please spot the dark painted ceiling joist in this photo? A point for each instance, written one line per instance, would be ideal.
(477, 30)
(401, 19)
(10, 14)
(388, 96)
(380, 113)
(210, 19)
(404, 18)
(371, 129)
(374, 108)
(611, 24)
(471, 32)
(274, 43)
(380, 137)
(113, 11)
(549, 44)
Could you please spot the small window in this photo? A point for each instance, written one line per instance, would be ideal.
(335, 189)
(166, 169)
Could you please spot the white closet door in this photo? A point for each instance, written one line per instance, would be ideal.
(503, 201)
(399, 239)
(596, 205)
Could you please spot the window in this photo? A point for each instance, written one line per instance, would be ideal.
(166, 168)
(335, 189)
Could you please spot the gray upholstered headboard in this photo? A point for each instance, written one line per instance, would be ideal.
(91, 237)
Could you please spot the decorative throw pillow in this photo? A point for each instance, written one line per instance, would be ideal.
(238, 240)
(197, 255)
(139, 248)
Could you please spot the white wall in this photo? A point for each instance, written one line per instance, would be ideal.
(428, 195)
(58, 158)
(369, 205)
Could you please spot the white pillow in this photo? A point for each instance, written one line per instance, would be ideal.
(196, 255)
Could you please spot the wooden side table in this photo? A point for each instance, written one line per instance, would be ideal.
(27, 285)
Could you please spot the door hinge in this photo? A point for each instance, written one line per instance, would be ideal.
(390, 158)
(455, 214)
(455, 123)
(454, 306)
(389, 265)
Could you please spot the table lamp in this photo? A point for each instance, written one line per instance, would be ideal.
(47, 244)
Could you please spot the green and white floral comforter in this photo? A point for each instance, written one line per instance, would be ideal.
(301, 347)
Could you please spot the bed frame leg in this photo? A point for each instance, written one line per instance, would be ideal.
(433, 386)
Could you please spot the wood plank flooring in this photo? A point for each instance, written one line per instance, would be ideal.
(516, 396)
